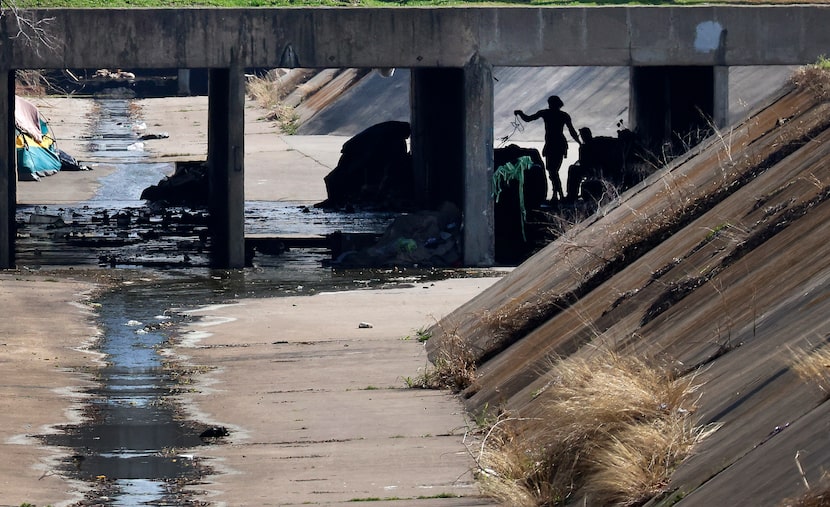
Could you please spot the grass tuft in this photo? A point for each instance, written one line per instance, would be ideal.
(812, 498)
(612, 429)
(269, 91)
(454, 368)
(813, 366)
(814, 78)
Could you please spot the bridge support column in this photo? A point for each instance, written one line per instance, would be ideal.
(670, 104)
(8, 174)
(720, 108)
(452, 149)
(183, 82)
(226, 150)
(437, 138)
(479, 228)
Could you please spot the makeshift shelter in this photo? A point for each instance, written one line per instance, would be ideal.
(374, 171)
(35, 147)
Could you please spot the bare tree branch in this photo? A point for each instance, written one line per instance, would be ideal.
(34, 33)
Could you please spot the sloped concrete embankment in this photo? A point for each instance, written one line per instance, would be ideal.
(719, 264)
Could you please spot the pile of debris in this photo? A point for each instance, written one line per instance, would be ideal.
(420, 240)
(187, 186)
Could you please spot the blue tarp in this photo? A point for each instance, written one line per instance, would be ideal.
(37, 153)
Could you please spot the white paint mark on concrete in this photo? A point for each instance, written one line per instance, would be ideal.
(707, 38)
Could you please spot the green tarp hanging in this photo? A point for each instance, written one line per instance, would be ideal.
(507, 173)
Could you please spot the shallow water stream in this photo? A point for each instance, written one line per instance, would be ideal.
(133, 446)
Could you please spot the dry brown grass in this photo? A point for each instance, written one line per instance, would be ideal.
(454, 367)
(514, 468)
(269, 91)
(612, 430)
(813, 366)
(264, 91)
(637, 464)
(815, 78)
(512, 320)
(812, 498)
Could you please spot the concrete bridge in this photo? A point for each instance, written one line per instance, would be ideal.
(678, 58)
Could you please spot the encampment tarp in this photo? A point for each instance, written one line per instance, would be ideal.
(36, 150)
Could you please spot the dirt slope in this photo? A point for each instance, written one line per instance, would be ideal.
(719, 264)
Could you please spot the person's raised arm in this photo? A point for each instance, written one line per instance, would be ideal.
(525, 117)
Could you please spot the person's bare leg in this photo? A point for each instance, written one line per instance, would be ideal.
(553, 165)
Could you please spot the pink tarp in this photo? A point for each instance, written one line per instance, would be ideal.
(26, 118)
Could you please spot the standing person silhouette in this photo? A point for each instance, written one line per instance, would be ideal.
(556, 146)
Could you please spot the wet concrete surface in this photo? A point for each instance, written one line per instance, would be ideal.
(130, 445)
(132, 233)
(133, 446)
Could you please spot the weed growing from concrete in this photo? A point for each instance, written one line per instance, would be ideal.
(421, 334)
(813, 366)
(519, 318)
(611, 429)
(268, 91)
(453, 368)
(813, 497)
(815, 78)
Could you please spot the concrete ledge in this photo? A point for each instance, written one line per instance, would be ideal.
(424, 37)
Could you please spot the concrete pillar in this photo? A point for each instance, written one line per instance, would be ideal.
(183, 82)
(720, 92)
(479, 230)
(418, 140)
(8, 172)
(226, 148)
(437, 139)
(671, 106)
(452, 149)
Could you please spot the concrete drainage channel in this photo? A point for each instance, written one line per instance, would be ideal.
(131, 447)
(134, 446)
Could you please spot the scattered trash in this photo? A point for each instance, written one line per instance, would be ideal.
(422, 239)
(365, 325)
(43, 218)
(214, 432)
(158, 135)
(117, 74)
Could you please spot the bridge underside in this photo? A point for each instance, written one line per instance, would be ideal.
(679, 59)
